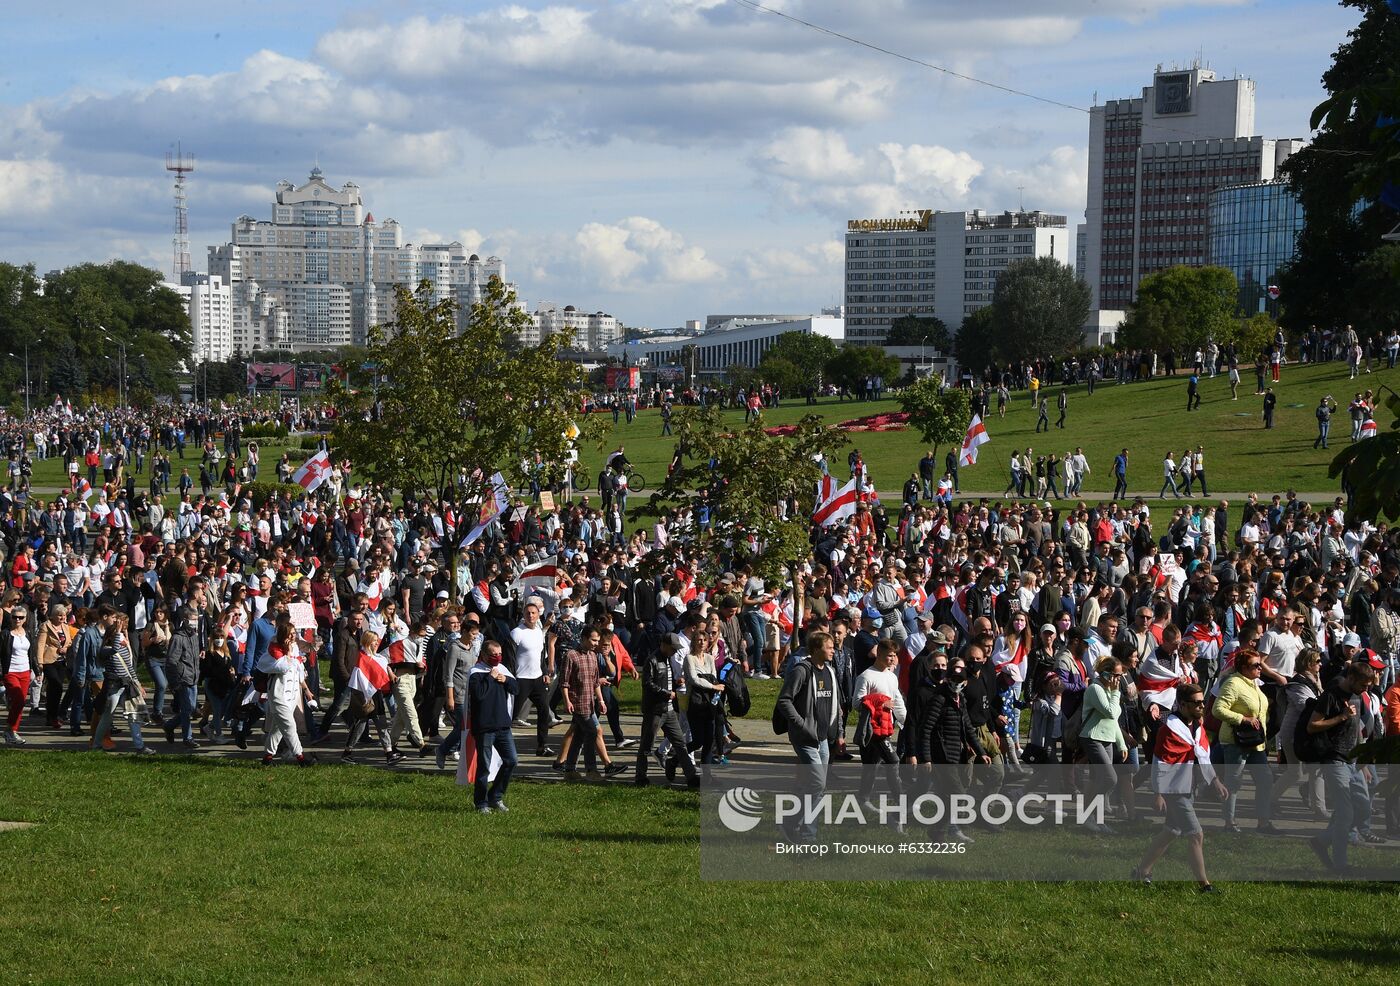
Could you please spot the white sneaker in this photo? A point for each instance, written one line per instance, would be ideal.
(456, 756)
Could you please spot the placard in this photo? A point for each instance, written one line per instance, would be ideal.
(303, 615)
(546, 501)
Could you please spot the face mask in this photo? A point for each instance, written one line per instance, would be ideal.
(957, 677)
(491, 660)
(937, 675)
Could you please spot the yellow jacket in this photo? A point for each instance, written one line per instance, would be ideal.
(1239, 698)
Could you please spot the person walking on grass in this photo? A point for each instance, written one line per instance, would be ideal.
(1168, 477)
(1270, 402)
(1181, 747)
(491, 691)
(1324, 411)
(1193, 392)
(1120, 475)
(1043, 415)
(1063, 402)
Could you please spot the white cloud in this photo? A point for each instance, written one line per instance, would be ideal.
(28, 188)
(639, 252)
(813, 261)
(818, 170)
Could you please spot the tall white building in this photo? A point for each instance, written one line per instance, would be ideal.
(593, 331)
(937, 263)
(211, 315)
(321, 272)
(1153, 162)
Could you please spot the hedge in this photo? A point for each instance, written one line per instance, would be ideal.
(261, 491)
(265, 430)
(311, 442)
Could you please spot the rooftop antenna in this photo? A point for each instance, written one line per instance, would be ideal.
(181, 164)
(1022, 190)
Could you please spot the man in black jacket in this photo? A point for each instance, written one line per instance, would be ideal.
(659, 709)
(946, 738)
(809, 711)
(490, 699)
(182, 672)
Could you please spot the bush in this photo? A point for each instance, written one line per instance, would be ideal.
(262, 491)
(310, 442)
(265, 430)
(297, 456)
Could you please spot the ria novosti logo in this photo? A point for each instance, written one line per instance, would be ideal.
(740, 809)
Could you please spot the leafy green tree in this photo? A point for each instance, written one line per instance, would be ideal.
(1254, 333)
(942, 418)
(1183, 306)
(1348, 161)
(752, 473)
(1370, 470)
(451, 403)
(797, 360)
(920, 330)
(977, 345)
(852, 364)
(1041, 307)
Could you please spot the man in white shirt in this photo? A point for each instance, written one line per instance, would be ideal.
(1280, 647)
(1168, 478)
(531, 676)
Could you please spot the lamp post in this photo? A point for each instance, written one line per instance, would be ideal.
(121, 367)
(26, 377)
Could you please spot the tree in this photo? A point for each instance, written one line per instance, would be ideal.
(742, 475)
(977, 346)
(797, 360)
(1041, 307)
(852, 364)
(1349, 160)
(1182, 307)
(1370, 470)
(920, 330)
(1255, 333)
(449, 403)
(941, 418)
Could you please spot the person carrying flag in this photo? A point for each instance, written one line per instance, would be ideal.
(1181, 744)
(491, 690)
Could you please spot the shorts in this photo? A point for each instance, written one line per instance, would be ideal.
(1181, 815)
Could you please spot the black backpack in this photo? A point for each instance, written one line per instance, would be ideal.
(1308, 746)
(736, 689)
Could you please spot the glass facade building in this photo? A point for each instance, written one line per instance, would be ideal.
(1253, 232)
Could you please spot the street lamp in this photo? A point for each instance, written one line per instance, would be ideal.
(121, 367)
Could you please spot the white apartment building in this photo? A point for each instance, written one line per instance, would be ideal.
(937, 263)
(1154, 161)
(593, 331)
(211, 315)
(321, 272)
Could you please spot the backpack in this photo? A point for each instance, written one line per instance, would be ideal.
(1309, 747)
(736, 689)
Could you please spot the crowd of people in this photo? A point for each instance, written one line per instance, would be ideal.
(349, 615)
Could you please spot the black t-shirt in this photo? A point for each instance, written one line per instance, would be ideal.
(1343, 737)
(824, 691)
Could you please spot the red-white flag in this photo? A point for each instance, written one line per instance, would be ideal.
(839, 506)
(313, 472)
(976, 435)
(370, 675)
(1368, 428)
(540, 575)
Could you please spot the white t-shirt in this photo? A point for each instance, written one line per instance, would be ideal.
(1280, 651)
(529, 651)
(19, 656)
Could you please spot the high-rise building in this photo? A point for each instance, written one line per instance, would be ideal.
(593, 331)
(321, 272)
(211, 315)
(937, 263)
(1254, 231)
(1154, 161)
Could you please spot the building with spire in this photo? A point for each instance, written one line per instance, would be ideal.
(323, 271)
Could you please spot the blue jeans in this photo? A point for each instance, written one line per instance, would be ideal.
(113, 698)
(1351, 805)
(1234, 758)
(184, 699)
(813, 782)
(504, 744)
(453, 740)
(161, 683)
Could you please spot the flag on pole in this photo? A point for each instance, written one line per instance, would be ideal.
(313, 472)
(841, 504)
(492, 507)
(976, 435)
(540, 575)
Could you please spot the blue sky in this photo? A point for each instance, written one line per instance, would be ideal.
(657, 159)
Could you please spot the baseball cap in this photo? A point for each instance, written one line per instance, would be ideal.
(1048, 628)
(442, 594)
(1351, 640)
(871, 612)
(1375, 660)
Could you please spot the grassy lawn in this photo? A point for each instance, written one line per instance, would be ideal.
(171, 870)
(1148, 418)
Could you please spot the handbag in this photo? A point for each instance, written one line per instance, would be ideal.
(1247, 735)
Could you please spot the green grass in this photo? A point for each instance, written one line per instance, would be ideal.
(1148, 418)
(169, 870)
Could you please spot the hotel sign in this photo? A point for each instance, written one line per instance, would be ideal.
(919, 221)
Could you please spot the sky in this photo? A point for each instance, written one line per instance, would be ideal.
(660, 160)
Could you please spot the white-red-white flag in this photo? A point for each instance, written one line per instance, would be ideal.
(541, 575)
(313, 472)
(1368, 428)
(976, 435)
(370, 675)
(840, 505)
